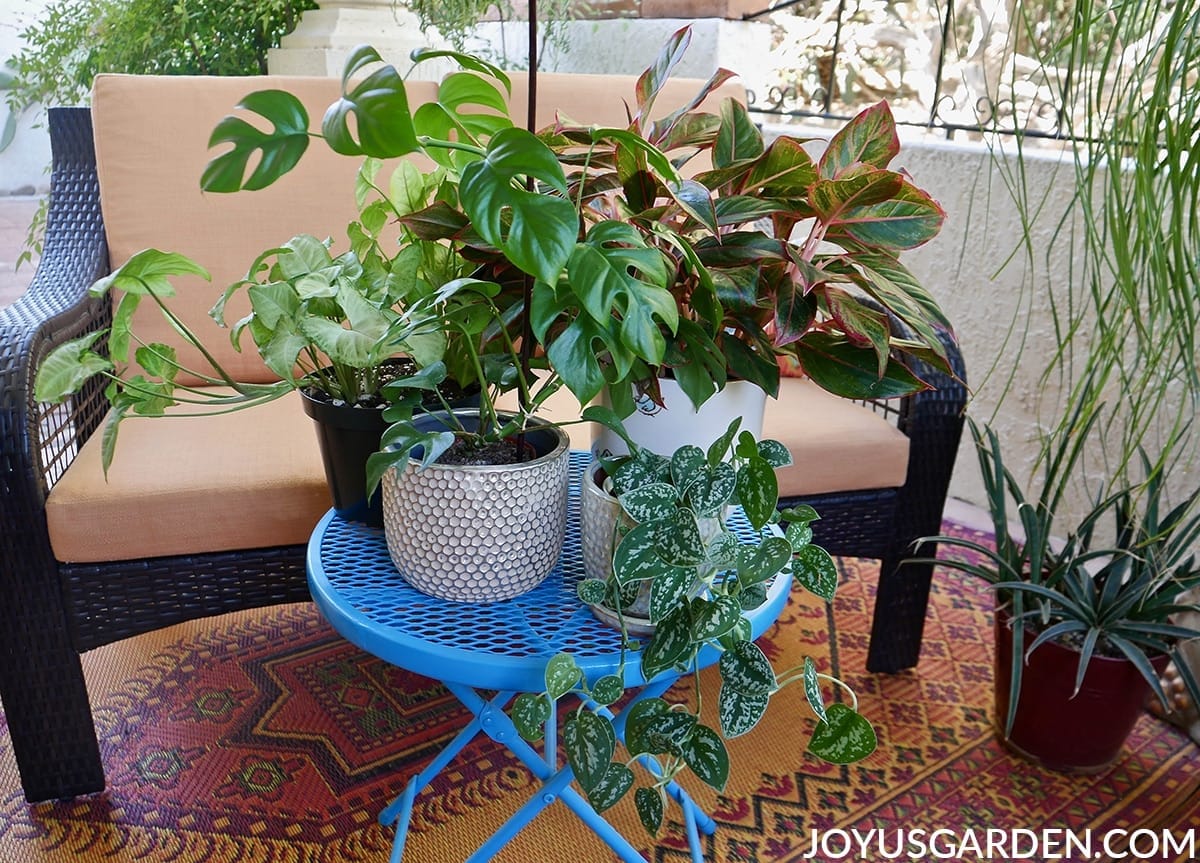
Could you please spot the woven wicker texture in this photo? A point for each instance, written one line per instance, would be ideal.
(263, 737)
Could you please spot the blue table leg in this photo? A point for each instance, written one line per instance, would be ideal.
(490, 719)
(399, 811)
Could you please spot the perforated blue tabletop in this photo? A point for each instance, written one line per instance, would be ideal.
(495, 645)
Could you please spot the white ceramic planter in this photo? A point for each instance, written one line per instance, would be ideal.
(599, 513)
(677, 423)
(479, 533)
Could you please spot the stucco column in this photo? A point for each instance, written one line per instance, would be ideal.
(325, 37)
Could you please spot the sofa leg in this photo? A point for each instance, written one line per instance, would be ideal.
(50, 723)
(899, 618)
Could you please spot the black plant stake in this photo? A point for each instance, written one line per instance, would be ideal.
(527, 293)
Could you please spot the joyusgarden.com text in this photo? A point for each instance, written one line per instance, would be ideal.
(966, 845)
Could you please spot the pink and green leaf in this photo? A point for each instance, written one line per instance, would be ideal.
(868, 139)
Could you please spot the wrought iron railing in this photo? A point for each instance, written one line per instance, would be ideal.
(974, 83)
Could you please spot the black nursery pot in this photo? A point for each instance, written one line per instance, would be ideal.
(347, 436)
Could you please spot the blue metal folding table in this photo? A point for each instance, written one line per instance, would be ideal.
(500, 647)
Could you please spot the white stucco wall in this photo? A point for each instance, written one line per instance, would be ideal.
(23, 163)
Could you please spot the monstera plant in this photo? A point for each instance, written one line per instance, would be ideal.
(622, 265)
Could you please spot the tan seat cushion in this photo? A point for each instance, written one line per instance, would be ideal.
(836, 444)
(251, 479)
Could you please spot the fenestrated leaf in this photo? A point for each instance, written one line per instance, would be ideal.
(712, 618)
(529, 714)
(573, 355)
(649, 804)
(706, 755)
(280, 149)
(757, 490)
(589, 742)
(812, 689)
(379, 104)
(843, 369)
(746, 669)
(562, 673)
(614, 272)
(540, 233)
(636, 557)
(740, 711)
(615, 782)
(844, 737)
(815, 570)
(739, 138)
(869, 138)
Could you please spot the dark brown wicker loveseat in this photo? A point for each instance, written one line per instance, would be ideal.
(50, 612)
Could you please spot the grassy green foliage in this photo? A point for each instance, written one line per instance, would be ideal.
(75, 39)
(1126, 310)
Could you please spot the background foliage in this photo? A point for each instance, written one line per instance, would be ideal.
(75, 39)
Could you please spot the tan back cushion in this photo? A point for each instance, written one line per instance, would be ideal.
(151, 136)
(601, 100)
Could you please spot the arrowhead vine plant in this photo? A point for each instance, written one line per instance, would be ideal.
(701, 584)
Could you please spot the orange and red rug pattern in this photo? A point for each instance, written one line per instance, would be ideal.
(263, 736)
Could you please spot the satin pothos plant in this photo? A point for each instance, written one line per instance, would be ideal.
(675, 545)
(643, 265)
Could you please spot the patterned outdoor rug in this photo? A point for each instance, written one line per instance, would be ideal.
(264, 736)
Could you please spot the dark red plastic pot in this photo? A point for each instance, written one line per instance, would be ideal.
(1083, 734)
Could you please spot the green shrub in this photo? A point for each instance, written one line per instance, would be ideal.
(75, 39)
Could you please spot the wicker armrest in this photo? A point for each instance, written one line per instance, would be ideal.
(37, 442)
